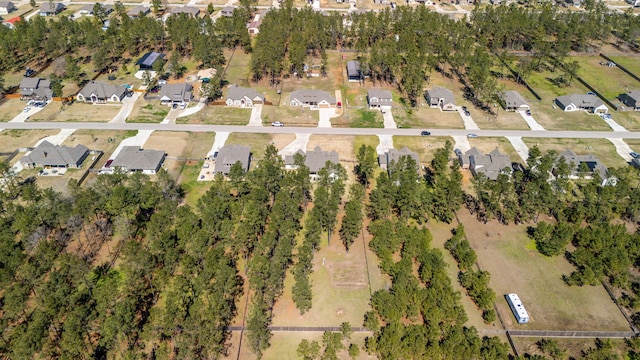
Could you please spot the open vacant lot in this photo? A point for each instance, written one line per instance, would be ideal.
(574, 347)
(603, 149)
(257, 142)
(148, 111)
(77, 112)
(609, 81)
(10, 140)
(289, 115)
(342, 144)
(516, 266)
(9, 108)
(221, 115)
(423, 145)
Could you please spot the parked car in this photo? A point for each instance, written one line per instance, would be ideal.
(108, 164)
(466, 111)
(528, 112)
(183, 106)
(472, 135)
(591, 93)
(27, 109)
(277, 123)
(425, 133)
(215, 154)
(606, 116)
(458, 152)
(29, 72)
(634, 155)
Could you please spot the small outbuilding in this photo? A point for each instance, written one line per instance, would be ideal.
(147, 60)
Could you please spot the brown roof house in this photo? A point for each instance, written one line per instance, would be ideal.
(136, 159)
(48, 155)
(491, 164)
(513, 101)
(440, 97)
(631, 99)
(393, 156)
(379, 99)
(243, 97)
(97, 92)
(312, 99)
(231, 154)
(314, 160)
(35, 89)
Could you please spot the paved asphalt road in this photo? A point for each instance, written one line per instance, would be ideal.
(320, 131)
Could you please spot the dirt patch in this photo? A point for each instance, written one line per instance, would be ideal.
(343, 144)
(282, 140)
(173, 143)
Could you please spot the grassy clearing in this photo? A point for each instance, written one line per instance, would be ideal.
(222, 115)
(77, 112)
(609, 81)
(258, 143)
(629, 62)
(372, 141)
(148, 111)
(188, 180)
(630, 120)
(574, 347)
(10, 108)
(367, 119)
(11, 140)
(342, 144)
(514, 267)
(284, 345)
(291, 116)
(603, 149)
(238, 67)
(423, 145)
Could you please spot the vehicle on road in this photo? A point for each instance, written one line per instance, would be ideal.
(634, 155)
(277, 123)
(425, 133)
(472, 135)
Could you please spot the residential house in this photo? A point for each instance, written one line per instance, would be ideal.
(392, 156)
(254, 26)
(171, 94)
(631, 99)
(35, 89)
(576, 102)
(189, 10)
(48, 155)
(231, 154)
(138, 10)
(312, 98)
(227, 11)
(491, 164)
(513, 101)
(7, 7)
(593, 165)
(50, 8)
(243, 97)
(147, 60)
(353, 71)
(97, 92)
(314, 160)
(442, 98)
(136, 159)
(88, 9)
(379, 99)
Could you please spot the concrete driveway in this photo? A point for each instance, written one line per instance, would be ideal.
(469, 124)
(24, 116)
(172, 116)
(386, 144)
(127, 107)
(520, 147)
(462, 143)
(622, 148)
(325, 117)
(141, 137)
(300, 143)
(614, 125)
(533, 124)
(194, 109)
(256, 115)
(389, 122)
(58, 138)
(221, 138)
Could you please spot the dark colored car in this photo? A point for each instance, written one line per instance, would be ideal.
(425, 133)
(528, 112)
(466, 111)
(108, 163)
(29, 72)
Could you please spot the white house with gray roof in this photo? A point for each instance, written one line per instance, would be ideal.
(491, 164)
(314, 160)
(7, 7)
(189, 10)
(136, 159)
(513, 101)
(312, 98)
(227, 11)
(88, 9)
(379, 99)
(631, 99)
(393, 156)
(243, 97)
(48, 155)
(35, 89)
(171, 94)
(231, 154)
(50, 8)
(577, 102)
(97, 92)
(442, 98)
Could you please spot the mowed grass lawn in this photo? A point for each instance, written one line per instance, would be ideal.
(289, 115)
(221, 115)
(517, 267)
(10, 108)
(608, 81)
(630, 63)
(488, 144)
(77, 112)
(602, 148)
(148, 111)
(425, 146)
(257, 142)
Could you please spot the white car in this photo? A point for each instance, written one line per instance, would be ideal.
(183, 106)
(27, 109)
(277, 123)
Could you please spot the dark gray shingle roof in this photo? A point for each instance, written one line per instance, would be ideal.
(47, 154)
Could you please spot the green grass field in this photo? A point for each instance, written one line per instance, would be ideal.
(222, 115)
(608, 81)
(367, 119)
(425, 146)
(257, 142)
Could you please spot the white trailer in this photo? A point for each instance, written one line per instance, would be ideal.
(517, 308)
